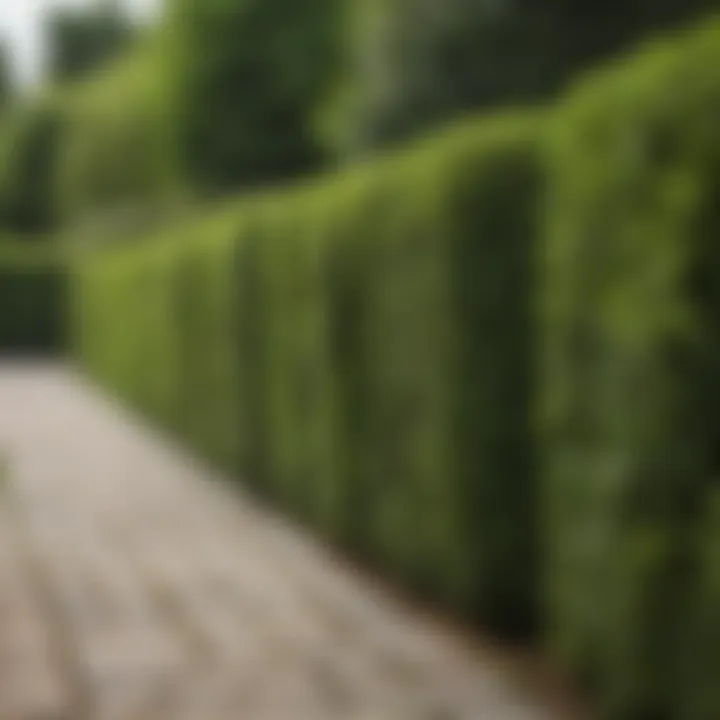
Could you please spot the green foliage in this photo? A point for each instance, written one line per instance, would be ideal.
(83, 39)
(358, 349)
(412, 64)
(114, 158)
(632, 367)
(700, 664)
(245, 77)
(93, 153)
(29, 140)
(444, 322)
(362, 348)
(7, 79)
(33, 285)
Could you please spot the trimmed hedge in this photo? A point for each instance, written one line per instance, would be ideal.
(115, 159)
(93, 154)
(632, 383)
(359, 349)
(700, 696)
(33, 286)
(30, 136)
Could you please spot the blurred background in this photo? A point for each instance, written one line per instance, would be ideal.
(259, 92)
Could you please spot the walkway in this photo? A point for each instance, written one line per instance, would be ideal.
(135, 586)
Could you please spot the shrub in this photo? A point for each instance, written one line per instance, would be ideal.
(632, 366)
(445, 244)
(29, 141)
(114, 159)
(360, 348)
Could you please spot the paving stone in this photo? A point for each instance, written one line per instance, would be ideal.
(167, 594)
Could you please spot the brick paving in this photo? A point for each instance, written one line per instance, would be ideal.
(136, 585)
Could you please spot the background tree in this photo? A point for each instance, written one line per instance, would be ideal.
(246, 76)
(412, 64)
(81, 40)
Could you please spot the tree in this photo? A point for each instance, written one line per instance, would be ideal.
(415, 63)
(81, 40)
(245, 77)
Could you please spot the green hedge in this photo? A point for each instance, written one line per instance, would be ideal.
(357, 348)
(632, 385)
(361, 350)
(92, 153)
(30, 137)
(114, 158)
(700, 697)
(33, 287)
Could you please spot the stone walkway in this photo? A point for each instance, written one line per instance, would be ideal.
(134, 585)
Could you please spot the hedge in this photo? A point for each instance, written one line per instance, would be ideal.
(361, 349)
(631, 380)
(700, 697)
(115, 158)
(33, 286)
(30, 136)
(357, 348)
(93, 154)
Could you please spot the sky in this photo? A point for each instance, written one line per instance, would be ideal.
(21, 26)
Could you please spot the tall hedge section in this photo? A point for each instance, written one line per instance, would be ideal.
(632, 381)
(362, 349)
(358, 349)
(33, 287)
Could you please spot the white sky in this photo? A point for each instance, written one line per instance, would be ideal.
(21, 25)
